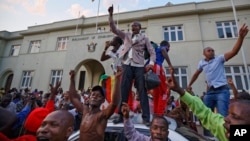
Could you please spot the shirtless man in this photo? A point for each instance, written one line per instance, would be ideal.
(94, 120)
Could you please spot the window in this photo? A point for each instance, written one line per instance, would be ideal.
(35, 46)
(15, 50)
(238, 75)
(227, 29)
(27, 79)
(56, 75)
(173, 33)
(62, 43)
(180, 75)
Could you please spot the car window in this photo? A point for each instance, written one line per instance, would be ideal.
(114, 134)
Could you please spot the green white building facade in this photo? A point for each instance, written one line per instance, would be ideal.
(43, 54)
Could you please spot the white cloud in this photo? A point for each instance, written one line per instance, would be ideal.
(32, 6)
(76, 10)
(39, 7)
(15, 1)
(8, 8)
(121, 3)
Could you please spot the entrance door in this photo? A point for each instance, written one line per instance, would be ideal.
(8, 82)
(81, 80)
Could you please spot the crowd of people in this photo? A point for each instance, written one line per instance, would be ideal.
(36, 116)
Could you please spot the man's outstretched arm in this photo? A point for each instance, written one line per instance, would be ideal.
(53, 92)
(116, 96)
(165, 55)
(194, 77)
(242, 34)
(129, 130)
(112, 24)
(212, 121)
(74, 97)
(104, 56)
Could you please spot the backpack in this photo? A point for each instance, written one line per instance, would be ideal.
(146, 53)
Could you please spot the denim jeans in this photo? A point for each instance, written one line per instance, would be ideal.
(218, 98)
(136, 73)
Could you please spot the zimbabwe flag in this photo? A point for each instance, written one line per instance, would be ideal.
(108, 82)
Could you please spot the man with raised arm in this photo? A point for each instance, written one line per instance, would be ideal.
(217, 124)
(132, 56)
(94, 120)
(218, 93)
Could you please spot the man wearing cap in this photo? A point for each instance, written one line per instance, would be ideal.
(94, 120)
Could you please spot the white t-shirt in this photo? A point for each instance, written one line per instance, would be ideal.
(116, 58)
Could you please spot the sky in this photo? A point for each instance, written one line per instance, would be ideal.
(17, 15)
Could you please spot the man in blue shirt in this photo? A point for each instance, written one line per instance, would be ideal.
(218, 94)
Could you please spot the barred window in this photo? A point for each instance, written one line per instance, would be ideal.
(238, 75)
(35, 46)
(27, 79)
(173, 33)
(180, 74)
(62, 43)
(227, 29)
(56, 75)
(14, 51)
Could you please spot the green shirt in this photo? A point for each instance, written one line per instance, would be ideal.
(211, 121)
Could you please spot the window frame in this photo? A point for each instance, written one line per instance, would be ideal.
(58, 76)
(26, 80)
(222, 26)
(236, 75)
(35, 46)
(13, 51)
(174, 29)
(179, 76)
(62, 43)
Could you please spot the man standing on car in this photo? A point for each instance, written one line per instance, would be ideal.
(218, 93)
(158, 129)
(132, 56)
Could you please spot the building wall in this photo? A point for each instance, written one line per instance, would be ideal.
(199, 30)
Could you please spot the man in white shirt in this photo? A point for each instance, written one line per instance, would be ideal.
(114, 53)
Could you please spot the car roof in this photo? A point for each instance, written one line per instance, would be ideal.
(173, 135)
(137, 119)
